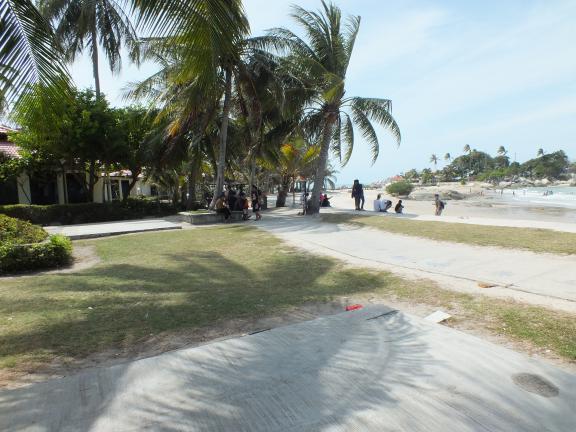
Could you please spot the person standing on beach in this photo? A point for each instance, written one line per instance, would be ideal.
(439, 205)
(358, 195)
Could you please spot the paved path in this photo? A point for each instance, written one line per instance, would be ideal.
(104, 229)
(352, 371)
(537, 278)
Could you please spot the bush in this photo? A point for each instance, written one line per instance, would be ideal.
(55, 252)
(401, 188)
(68, 214)
(17, 231)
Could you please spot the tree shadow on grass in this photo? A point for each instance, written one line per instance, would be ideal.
(119, 305)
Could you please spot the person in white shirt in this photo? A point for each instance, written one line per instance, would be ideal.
(377, 203)
(382, 205)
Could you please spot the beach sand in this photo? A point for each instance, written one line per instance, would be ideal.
(486, 209)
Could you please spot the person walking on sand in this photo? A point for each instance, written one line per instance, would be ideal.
(358, 195)
(439, 205)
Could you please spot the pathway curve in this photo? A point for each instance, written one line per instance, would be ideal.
(541, 279)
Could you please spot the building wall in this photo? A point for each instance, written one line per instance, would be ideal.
(24, 194)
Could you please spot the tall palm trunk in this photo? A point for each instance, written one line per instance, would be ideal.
(321, 167)
(223, 137)
(95, 60)
(191, 203)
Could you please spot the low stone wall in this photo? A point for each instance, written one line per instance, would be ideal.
(208, 218)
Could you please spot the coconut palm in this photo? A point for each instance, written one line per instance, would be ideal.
(447, 157)
(320, 62)
(467, 149)
(90, 25)
(434, 159)
(502, 151)
(540, 152)
(295, 158)
(28, 52)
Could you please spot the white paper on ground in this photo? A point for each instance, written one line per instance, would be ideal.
(438, 316)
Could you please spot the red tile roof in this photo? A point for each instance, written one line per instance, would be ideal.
(9, 149)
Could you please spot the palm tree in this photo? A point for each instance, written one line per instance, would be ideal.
(447, 157)
(467, 149)
(295, 158)
(28, 52)
(90, 24)
(540, 152)
(434, 160)
(502, 151)
(321, 63)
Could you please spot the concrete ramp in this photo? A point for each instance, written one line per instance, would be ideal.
(367, 370)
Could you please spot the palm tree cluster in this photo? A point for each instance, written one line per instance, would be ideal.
(226, 104)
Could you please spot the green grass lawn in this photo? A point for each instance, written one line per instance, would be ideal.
(161, 283)
(536, 240)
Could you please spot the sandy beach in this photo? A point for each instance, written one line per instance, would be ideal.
(480, 205)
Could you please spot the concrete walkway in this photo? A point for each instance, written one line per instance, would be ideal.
(542, 279)
(359, 370)
(104, 229)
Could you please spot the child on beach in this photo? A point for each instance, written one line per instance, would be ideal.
(399, 207)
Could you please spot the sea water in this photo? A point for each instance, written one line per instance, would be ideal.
(552, 196)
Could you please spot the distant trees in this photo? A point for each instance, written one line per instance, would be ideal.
(482, 166)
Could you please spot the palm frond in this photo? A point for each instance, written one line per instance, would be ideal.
(379, 110)
(28, 52)
(348, 138)
(365, 125)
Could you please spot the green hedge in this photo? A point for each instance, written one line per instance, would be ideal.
(68, 214)
(55, 252)
(17, 231)
(401, 188)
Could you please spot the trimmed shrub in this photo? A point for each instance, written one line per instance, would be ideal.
(55, 252)
(68, 214)
(401, 188)
(17, 231)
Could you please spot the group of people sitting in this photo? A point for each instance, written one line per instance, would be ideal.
(383, 205)
(231, 200)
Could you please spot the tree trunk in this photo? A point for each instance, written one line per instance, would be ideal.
(252, 172)
(223, 137)
(91, 180)
(95, 60)
(133, 181)
(192, 180)
(283, 192)
(321, 166)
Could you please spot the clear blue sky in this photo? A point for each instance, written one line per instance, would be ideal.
(486, 74)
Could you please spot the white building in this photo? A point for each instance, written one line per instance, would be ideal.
(65, 187)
